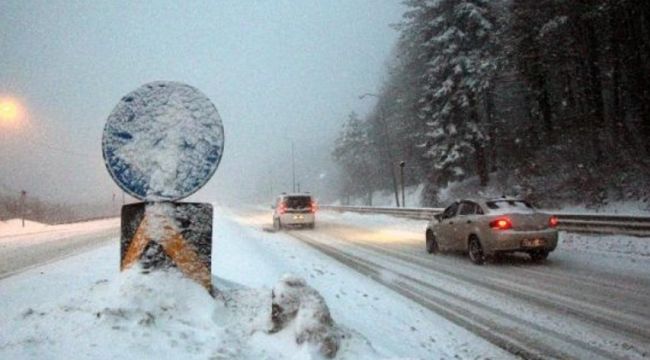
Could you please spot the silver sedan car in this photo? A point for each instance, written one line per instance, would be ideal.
(486, 228)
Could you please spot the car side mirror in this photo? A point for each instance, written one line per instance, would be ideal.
(438, 217)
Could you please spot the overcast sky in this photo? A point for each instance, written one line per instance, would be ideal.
(277, 71)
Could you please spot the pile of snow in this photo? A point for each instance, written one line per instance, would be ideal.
(158, 315)
(300, 308)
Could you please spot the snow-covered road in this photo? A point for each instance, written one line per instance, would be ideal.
(23, 248)
(580, 303)
(589, 300)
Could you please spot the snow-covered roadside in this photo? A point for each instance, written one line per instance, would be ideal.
(60, 311)
(83, 307)
(12, 233)
(394, 325)
(387, 198)
(614, 208)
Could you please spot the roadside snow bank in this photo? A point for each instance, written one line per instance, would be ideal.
(34, 232)
(15, 226)
(133, 316)
(619, 245)
(159, 315)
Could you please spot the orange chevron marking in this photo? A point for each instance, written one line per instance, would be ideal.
(187, 260)
(182, 254)
(139, 242)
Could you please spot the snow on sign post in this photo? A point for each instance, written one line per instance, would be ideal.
(162, 143)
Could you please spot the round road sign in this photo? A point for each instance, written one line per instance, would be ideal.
(163, 141)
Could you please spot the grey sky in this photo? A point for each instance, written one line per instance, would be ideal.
(276, 70)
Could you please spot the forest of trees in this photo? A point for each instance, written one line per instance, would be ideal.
(549, 99)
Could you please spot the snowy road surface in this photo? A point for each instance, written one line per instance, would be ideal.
(584, 302)
(589, 300)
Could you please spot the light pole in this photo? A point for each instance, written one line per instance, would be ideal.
(293, 167)
(384, 125)
(23, 196)
(271, 183)
(401, 174)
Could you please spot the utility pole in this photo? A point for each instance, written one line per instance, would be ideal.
(401, 174)
(293, 167)
(23, 197)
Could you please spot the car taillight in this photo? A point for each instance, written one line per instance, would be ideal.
(552, 222)
(503, 223)
(313, 207)
(283, 208)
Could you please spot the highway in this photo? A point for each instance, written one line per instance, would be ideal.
(577, 304)
(571, 306)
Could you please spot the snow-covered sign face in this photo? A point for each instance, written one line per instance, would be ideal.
(163, 141)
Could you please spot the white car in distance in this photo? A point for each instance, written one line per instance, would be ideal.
(294, 210)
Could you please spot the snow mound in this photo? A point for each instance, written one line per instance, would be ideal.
(303, 309)
(160, 315)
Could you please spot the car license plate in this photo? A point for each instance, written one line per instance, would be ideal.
(534, 242)
(298, 217)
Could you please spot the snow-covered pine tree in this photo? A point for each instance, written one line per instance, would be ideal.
(355, 153)
(458, 50)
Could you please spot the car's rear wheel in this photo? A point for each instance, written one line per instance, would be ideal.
(538, 255)
(311, 225)
(432, 243)
(475, 251)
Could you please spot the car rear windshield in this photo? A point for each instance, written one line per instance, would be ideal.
(504, 206)
(298, 202)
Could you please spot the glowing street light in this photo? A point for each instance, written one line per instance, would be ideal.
(11, 112)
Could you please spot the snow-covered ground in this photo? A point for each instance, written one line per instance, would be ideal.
(387, 198)
(15, 227)
(614, 208)
(82, 307)
(12, 231)
(456, 190)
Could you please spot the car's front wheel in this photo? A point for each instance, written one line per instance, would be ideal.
(538, 255)
(432, 243)
(475, 251)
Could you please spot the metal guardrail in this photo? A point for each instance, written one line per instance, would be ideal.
(580, 223)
